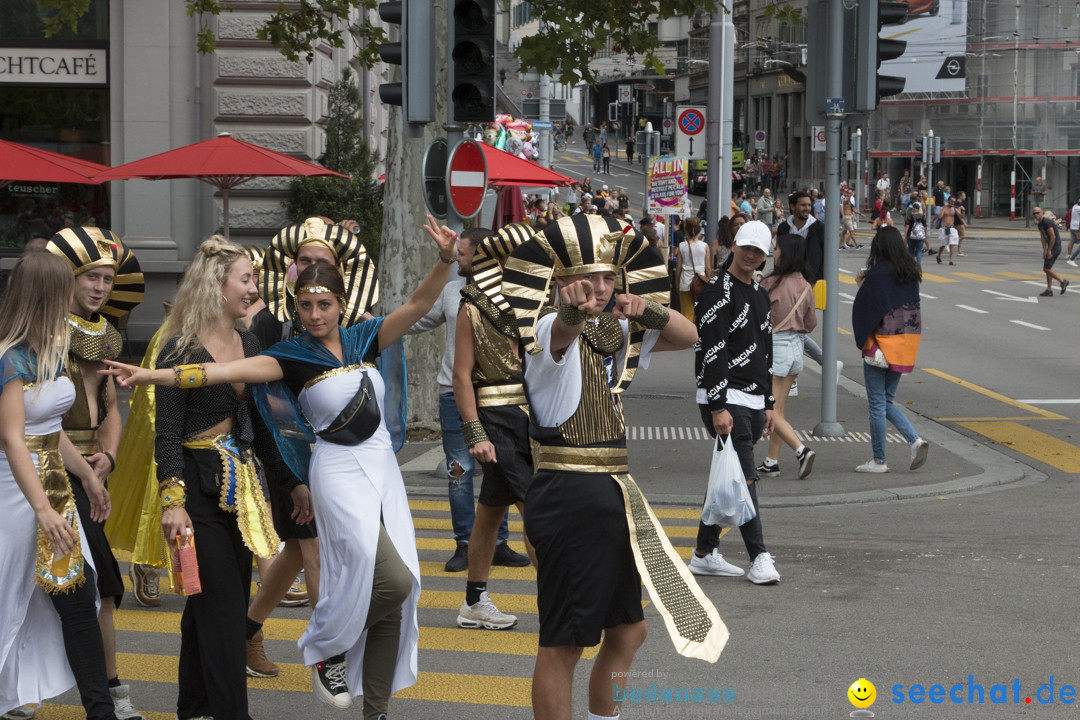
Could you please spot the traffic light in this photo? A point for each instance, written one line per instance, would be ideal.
(871, 51)
(415, 93)
(473, 61)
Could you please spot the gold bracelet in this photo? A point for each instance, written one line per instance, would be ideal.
(571, 315)
(655, 316)
(171, 493)
(473, 432)
(189, 376)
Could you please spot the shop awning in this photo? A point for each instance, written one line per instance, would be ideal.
(505, 170)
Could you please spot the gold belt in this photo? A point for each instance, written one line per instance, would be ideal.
(582, 459)
(496, 395)
(85, 440)
(55, 574)
(241, 491)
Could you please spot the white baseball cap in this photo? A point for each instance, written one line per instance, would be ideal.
(755, 234)
(605, 187)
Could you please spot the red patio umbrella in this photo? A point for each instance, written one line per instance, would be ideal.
(506, 169)
(223, 162)
(509, 207)
(30, 164)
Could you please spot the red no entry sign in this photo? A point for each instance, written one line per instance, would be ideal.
(466, 178)
(691, 121)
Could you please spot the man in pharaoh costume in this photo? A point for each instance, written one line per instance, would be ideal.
(108, 284)
(596, 537)
(490, 395)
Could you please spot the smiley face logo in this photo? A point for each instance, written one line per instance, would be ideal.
(862, 693)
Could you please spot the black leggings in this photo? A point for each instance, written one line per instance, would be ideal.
(745, 431)
(84, 647)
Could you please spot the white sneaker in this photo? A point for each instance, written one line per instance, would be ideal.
(122, 707)
(873, 466)
(23, 712)
(1072, 262)
(919, 448)
(763, 570)
(713, 564)
(485, 615)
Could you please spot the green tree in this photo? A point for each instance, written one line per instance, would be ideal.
(357, 198)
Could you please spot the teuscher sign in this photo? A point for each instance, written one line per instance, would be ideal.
(54, 66)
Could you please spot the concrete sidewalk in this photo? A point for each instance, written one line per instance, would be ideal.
(675, 471)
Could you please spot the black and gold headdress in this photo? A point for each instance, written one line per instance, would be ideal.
(491, 253)
(86, 248)
(573, 246)
(357, 269)
(255, 255)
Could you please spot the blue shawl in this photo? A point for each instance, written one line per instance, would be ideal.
(280, 408)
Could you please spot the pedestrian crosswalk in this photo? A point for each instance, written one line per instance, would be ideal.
(697, 433)
(458, 668)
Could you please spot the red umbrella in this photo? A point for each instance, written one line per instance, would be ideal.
(506, 169)
(30, 164)
(510, 207)
(223, 162)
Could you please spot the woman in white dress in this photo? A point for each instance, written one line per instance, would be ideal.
(362, 636)
(695, 259)
(49, 635)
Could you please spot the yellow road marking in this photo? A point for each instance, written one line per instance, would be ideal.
(937, 278)
(1020, 276)
(980, 278)
(1038, 445)
(996, 396)
(847, 280)
(1025, 418)
(444, 687)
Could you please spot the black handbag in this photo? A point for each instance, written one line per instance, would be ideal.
(358, 420)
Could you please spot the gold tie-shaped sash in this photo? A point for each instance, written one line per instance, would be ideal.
(692, 621)
(52, 573)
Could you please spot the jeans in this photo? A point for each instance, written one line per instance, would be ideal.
(1076, 239)
(745, 431)
(915, 247)
(814, 350)
(880, 391)
(462, 500)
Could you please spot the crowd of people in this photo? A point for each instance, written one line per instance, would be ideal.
(269, 405)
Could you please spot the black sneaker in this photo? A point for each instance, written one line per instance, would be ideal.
(328, 678)
(505, 556)
(806, 462)
(460, 559)
(767, 470)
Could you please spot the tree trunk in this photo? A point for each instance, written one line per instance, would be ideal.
(407, 253)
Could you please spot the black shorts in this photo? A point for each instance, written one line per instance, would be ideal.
(586, 577)
(281, 505)
(1048, 262)
(110, 583)
(507, 480)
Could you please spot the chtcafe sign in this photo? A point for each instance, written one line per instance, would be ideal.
(54, 66)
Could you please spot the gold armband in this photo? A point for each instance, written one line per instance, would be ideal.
(473, 432)
(571, 315)
(189, 376)
(655, 316)
(172, 494)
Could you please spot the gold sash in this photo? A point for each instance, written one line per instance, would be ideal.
(241, 492)
(56, 574)
(691, 619)
(499, 395)
(85, 440)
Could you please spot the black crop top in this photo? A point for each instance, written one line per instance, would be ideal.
(184, 413)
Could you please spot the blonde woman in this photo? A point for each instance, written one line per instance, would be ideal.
(49, 635)
(694, 260)
(198, 434)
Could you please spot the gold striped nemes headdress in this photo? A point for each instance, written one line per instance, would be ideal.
(86, 248)
(357, 268)
(491, 254)
(574, 246)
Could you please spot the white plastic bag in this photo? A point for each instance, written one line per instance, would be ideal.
(727, 501)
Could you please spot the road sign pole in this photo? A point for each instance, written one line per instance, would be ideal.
(829, 427)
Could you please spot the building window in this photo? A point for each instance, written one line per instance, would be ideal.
(523, 13)
(654, 29)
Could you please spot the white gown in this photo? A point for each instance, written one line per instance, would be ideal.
(350, 487)
(33, 663)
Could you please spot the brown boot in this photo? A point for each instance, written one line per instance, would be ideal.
(257, 664)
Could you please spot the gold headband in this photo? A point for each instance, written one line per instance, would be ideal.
(319, 290)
